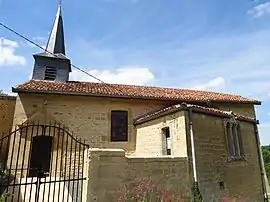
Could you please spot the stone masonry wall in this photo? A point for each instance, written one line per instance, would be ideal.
(150, 138)
(243, 109)
(7, 107)
(112, 175)
(86, 117)
(240, 178)
(89, 117)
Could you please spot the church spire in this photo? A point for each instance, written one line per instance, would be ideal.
(56, 42)
(55, 67)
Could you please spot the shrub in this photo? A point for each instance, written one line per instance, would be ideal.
(3, 181)
(144, 192)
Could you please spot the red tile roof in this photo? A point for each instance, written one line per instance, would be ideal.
(195, 108)
(128, 91)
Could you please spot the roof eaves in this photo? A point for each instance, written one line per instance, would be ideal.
(132, 97)
(154, 116)
(196, 110)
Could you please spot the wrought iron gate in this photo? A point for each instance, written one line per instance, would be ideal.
(42, 163)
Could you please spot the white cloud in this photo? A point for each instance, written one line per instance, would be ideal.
(240, 65)
(126, 75)
(39, 38)
(264, 132)
(215, 84)
(10, 93)
(7, 53)
(260, 10)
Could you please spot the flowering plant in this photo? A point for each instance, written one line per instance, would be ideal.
(144, 192)
(232, 199)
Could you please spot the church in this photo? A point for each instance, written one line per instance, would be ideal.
(86, 141)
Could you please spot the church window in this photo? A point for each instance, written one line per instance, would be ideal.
(119, 126)
(50, 73)
(234, 138)
(167, 142)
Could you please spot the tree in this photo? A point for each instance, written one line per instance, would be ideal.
(2, 93)
(3, 181)
(266, 158)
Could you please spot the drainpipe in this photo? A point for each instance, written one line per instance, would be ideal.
(196, 191)
(260, 160)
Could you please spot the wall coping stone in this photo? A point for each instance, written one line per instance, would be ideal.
(157, 159)
(7, 97)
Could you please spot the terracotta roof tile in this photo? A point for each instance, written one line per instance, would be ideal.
(196, 108)
(129, 91)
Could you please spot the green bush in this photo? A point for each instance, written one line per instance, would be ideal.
(3, 181)
(266, 158)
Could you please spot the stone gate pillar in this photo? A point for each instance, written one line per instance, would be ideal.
(105, 175)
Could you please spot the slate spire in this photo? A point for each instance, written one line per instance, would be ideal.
(56, 66)
(56, 42)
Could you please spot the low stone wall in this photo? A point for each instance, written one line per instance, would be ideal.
(112, 176)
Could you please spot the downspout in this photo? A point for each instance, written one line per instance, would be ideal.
(260, 160)
(196, 191)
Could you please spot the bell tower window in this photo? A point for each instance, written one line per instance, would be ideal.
(50, 73)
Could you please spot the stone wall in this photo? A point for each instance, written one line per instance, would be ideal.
(86, 117)
(7, 107)
(89, 117)
(150, 138)
(243, 109)
(112, 174)
(240, 178)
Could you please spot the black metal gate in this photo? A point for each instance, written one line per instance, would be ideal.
(42, 163)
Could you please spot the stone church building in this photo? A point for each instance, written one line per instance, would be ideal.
(174, 139)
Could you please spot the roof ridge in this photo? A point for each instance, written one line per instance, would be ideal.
(151, 86)
(130, 91)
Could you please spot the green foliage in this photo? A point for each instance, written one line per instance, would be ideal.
(196, 193)
(1, 93)
(3, 180)
(266, 158)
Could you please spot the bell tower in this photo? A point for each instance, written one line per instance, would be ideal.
(53, 65)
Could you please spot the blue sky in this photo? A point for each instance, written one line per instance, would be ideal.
(210, 45)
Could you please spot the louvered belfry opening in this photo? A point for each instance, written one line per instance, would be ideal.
(50, 73)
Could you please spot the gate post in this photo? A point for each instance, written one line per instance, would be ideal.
(106, 174)
(85, 193)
